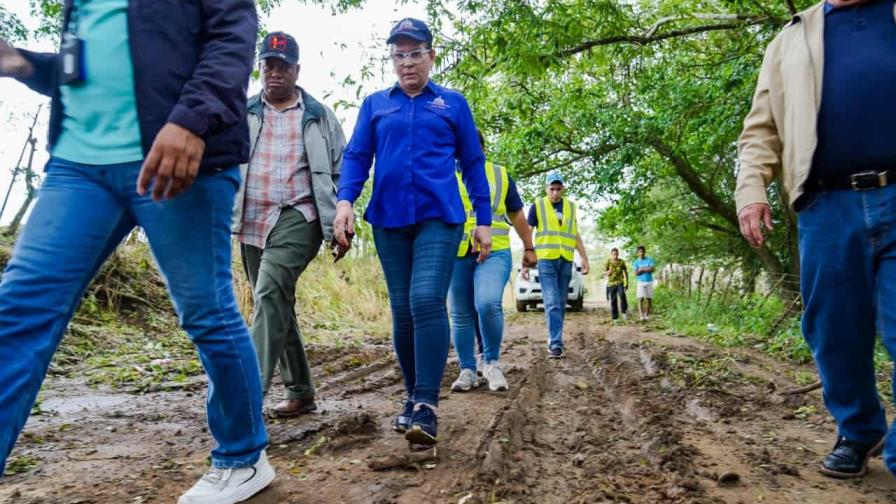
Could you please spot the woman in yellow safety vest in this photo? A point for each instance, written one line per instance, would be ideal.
(557, 238)
(477, 288)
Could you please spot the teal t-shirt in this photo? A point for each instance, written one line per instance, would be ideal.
(100, 124)
(644, 263)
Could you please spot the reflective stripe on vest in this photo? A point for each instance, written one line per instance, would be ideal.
(499, 184)
(553, 241)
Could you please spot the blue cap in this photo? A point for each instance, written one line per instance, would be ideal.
(412, 29)
(553, 177)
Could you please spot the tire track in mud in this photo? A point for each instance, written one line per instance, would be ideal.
(574, 434)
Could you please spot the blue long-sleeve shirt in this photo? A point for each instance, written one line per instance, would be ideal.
(416, 142)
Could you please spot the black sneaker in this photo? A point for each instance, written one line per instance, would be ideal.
(849, 459)
(555, 353)
(403, 420)
(424, 425)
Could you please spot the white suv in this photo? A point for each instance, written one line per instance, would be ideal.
(527, 293)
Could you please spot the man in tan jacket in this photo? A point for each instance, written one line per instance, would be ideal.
(824, 123)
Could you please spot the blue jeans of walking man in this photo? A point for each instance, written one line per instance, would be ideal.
(554, 276)
(848, 268)
(83, 212)
(477, 292)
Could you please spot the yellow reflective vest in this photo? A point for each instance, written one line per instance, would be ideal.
(553, 241)
(498, 184)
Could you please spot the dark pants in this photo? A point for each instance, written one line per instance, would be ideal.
(616, 293)
(418, 261)
(848, 282)
(273, 273)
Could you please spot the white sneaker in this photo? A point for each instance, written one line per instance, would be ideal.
(466, 381)
(229, 486)
(495, 377)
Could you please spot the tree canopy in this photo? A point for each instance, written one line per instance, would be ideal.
(638, 102)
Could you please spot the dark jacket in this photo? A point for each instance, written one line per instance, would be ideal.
(192, 60)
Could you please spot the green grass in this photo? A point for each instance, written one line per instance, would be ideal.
(20, 465)
(738, 321)
(336, 304)
(748, 321)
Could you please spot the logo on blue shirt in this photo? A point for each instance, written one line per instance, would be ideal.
(439, 103)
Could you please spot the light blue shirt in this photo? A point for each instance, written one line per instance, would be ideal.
(99, 124)
(644, 263)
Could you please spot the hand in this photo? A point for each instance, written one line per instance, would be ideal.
(529, 259)
(525, 273)
(585, 267)
(339, 250)
(482, 242)
(172, 162)
(344, 223)
(751, 218)
(12, 64)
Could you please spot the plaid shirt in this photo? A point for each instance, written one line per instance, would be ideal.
(279, 176)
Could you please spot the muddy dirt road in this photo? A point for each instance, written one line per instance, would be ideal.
(629, 416)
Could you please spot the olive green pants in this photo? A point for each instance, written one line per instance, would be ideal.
(273, 273)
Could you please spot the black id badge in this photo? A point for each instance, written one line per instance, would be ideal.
(71, 60)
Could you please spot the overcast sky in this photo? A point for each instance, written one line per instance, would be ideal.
(332, 48)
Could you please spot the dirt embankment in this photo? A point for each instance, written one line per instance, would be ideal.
(629, 416)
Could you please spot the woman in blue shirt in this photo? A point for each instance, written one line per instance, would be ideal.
(417, 131)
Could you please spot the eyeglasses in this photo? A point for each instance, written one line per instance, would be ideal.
(415, 56)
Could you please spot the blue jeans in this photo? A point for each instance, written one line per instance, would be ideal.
(848, 268)
(477, 292)
(417, 261)
(82, 213)
(554, 276)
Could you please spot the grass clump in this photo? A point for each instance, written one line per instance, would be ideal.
(752, 320)
(336, 304)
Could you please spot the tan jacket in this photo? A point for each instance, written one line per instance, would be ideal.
(324, 143)
(780, 132)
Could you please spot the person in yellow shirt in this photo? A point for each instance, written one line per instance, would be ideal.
(554, 220)
(477, 287)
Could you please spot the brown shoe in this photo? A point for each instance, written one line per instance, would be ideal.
(293, 407)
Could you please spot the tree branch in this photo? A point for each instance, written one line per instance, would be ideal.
(692, 179)
(791, 7)
(649, 37)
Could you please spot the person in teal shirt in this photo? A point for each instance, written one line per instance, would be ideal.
(99, 119)
(644, 267)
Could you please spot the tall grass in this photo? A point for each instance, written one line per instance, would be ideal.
(335, 303)
(753, 320)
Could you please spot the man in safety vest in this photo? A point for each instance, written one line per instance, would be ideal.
(477, 287)
(556, 240)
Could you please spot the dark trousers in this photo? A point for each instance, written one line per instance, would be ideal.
(273, 273)
(616, 293)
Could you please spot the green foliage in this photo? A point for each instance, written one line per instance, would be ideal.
(20, 464)
(11, 27)
(640, 103)
(336, 304)
(752, 320)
